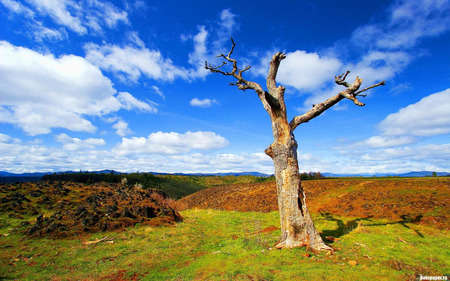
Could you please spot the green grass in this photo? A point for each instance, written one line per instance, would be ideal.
(219, 245)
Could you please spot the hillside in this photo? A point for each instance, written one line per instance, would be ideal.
(423, 200)
(175, 186)
(62, 209)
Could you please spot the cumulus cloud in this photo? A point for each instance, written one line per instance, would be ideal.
(171, 143)
(307, 71)
(203, 103)
(429, 116)
(77, 16)
(73, 144)
(122, 128)
(58, 93)
(133, 62)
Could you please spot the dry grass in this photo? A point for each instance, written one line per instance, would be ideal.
(421, 200)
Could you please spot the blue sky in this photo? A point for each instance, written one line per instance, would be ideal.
(91, 85)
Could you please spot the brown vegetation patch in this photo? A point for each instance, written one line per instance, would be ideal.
(75, 208)
(418, 200)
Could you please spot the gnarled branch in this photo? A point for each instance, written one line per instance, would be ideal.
(350, 93)
(241, 83)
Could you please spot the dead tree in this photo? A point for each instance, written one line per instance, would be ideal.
(297, 227)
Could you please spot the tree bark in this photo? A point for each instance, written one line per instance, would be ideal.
(297, 226)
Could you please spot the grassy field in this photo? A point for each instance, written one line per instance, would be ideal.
(224, 245)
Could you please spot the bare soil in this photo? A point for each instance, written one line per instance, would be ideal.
(418, 200)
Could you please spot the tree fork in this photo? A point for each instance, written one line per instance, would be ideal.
(297, 226)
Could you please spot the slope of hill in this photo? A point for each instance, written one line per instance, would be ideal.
(422, 200)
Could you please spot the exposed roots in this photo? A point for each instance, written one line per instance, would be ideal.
(317, 247)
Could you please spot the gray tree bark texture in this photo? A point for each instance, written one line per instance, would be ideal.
(297, 226)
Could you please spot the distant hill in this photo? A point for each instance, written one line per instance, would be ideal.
(410, 174)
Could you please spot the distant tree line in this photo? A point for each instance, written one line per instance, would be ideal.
(311, 176)
(84, 177)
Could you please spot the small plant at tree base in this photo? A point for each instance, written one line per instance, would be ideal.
(297, 227)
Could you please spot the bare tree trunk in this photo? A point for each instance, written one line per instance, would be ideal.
(297, 227)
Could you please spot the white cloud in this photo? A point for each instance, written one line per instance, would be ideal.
(133, 37)
(129, 102)
(376, 66)
(31, 157)
(203, 103)
(200, 54)
(78, 16)
(408, 22)
(59, 12)
(171, 143)
(158, 91)
(227, 21)
(433, 153)
(208, 43)
(373, 67)
(382, 141)
(41, 33)
(105, 12)
(58, 93)
(6, 138)
(73, 144)
(226, 26)
(307, 71)
(133, 62)
(18, 8)
(429, 116)
(400, 88)
(400, 146)
(122, 128)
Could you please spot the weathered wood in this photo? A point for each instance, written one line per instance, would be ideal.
(104, 239)
(297, 226)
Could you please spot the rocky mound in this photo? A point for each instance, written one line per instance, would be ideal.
(66, 209)
(421, 200)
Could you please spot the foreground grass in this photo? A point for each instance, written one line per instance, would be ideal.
(219, 245)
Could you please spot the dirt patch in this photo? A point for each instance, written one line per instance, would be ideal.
(76, 209)
(410, 200)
